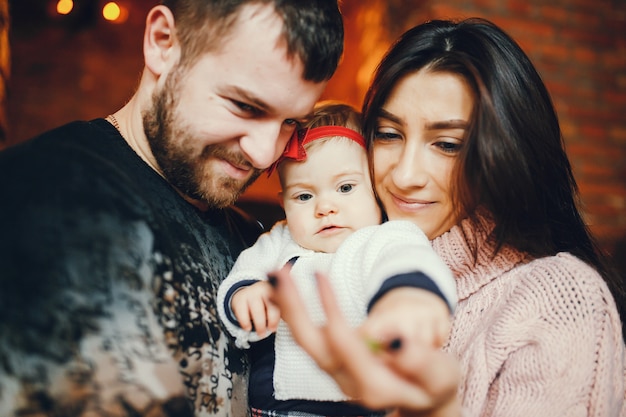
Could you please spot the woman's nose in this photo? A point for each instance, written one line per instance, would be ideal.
(410, 171)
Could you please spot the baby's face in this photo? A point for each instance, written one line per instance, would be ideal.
(328, 196)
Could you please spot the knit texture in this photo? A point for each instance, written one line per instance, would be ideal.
(535, 337)
(357, 270)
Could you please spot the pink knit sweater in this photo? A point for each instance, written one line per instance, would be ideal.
(534, 337)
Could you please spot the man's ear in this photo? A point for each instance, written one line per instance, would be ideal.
(160, 46)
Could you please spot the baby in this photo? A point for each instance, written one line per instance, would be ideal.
(333, 225)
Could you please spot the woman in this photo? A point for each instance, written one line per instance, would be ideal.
(465, 142)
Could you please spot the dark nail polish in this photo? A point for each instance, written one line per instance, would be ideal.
(395, 344)
(273, 281)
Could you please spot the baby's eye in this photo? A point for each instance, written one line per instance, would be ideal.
(346, 188)
(304, 197)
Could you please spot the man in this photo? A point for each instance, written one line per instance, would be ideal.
(116, 233)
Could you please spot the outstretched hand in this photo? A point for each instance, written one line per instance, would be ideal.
(412, 380)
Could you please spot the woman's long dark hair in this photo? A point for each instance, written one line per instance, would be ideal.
(513, 162)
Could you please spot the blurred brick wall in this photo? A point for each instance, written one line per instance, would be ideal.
(63, 72)
(5, 67)
(72, 67)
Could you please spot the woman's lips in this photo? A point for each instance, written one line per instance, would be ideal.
(406, 204)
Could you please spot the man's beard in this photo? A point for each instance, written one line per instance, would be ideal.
(171, 144)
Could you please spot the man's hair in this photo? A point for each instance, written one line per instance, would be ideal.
(312, 29)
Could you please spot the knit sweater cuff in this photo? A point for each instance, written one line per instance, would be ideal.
(229, 296)
(409, 279)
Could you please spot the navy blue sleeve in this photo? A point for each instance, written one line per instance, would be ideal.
(229, 295)
(410, 279)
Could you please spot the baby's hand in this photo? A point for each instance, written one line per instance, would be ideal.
(408, 315)
(254, 310)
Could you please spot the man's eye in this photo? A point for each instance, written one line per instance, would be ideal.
(291, 122)
(346, 188)
(246, 108)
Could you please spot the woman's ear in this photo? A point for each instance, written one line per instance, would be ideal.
(160, 46)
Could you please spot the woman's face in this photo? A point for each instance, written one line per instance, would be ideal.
(420, 131)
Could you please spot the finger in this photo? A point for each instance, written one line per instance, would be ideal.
(259, 318)
(442, 332)
(449, 408)
(376, 385)
(291, 305)
(242, 314)
(273, 316)
(434, 370)
(329, 301)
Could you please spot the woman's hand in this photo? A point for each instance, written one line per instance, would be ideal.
(414, 380)
(410, 315)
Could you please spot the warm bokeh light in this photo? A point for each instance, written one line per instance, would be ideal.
(64, 6)
(111, 11)
(115, 12)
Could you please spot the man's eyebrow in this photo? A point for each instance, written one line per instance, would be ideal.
(438, 125)
(252, 99)
(262, 105)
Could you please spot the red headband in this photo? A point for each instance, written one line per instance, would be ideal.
(295, 147)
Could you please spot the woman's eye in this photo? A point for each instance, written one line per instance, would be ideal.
(346, 188)
(386, 136)
(449, 147)
(304, 197)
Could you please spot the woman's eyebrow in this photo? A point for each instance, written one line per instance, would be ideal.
(437, 125)
(384, 114)
(447, 124)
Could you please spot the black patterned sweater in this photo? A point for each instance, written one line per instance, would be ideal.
(107, 285)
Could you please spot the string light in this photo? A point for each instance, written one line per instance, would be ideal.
(64, 6)
(114, 12)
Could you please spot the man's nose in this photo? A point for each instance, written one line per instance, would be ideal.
(264, 144)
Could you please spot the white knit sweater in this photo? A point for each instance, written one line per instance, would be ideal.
(357, 270)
